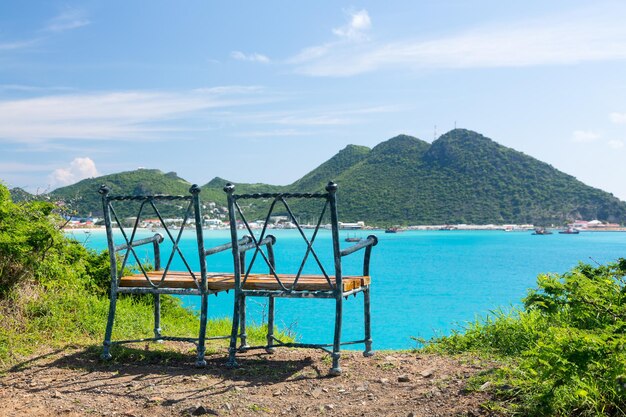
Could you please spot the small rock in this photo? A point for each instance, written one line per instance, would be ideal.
(325, 389)
(57, 394)
(361, 388)
(427, 373)
(404, 378)
(329, 407)
(227, 406)
(484, 386)
(383, 381)
(410, 415)
(276, 393)
(316, 393)
(202, 410)
(156, 399)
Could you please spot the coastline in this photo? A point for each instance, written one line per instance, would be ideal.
(463, 227)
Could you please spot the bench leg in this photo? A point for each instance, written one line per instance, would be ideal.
(106, 353)
(368, 324)
(270, 326)
(232, 350)
(336, 355)
(243, 337)
(200, 361)
(157, 316)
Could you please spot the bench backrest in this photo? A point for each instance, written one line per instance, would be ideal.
(284, 204)
(142, 207)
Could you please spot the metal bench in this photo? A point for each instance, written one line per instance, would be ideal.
(132, 275)
(295, 284)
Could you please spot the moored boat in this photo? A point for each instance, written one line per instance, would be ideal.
(352, 239)
(541, 231)
(570, 231)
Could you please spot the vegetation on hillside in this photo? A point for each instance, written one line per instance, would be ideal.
(462, 177)
(83, 199)
(564, 350)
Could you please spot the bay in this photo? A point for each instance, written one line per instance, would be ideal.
(424, 283)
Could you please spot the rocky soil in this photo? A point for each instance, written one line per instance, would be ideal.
(74, 382)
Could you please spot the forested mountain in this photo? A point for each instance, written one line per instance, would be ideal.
(462, 177)
(18, 195)
(83, 198)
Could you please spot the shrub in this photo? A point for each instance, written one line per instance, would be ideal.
(565, 351)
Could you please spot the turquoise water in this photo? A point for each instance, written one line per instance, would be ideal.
(424, 283)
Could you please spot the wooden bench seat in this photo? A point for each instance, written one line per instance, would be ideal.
(217, 281)
(305, 282)
(175, 279)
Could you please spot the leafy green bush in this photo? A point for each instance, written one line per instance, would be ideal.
(565, 351)
(26, 237)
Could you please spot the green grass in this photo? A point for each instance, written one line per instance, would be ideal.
(37, 319)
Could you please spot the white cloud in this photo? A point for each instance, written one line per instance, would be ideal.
(31, 88)
(311, 117)
(557, 40)
(78, 169)
(355, 29)
(585, 136)
(253, 57)
(272, 133)
(13, 167)
(615, 144)
(67, 20)
(124, 115)
(7, 46)
(618, 118)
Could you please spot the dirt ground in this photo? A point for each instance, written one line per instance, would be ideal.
(291, 382)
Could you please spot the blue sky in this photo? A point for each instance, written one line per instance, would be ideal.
(266, 91)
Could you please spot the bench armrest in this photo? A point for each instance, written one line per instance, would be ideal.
(157, 238)
(370, 241)
(269, 240)
(245, 243)
(221, 248)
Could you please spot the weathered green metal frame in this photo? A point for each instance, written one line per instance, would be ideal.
(335, 290)
(111, 219)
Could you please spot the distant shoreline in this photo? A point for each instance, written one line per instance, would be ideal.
(424, 228)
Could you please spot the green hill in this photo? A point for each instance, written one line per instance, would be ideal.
(462, 177)
(18, 195)
(344, 160)
(83, 199)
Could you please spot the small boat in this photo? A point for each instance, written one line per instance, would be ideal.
(569, 231)
(541, 231)
(353, 239)
(391, 230)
